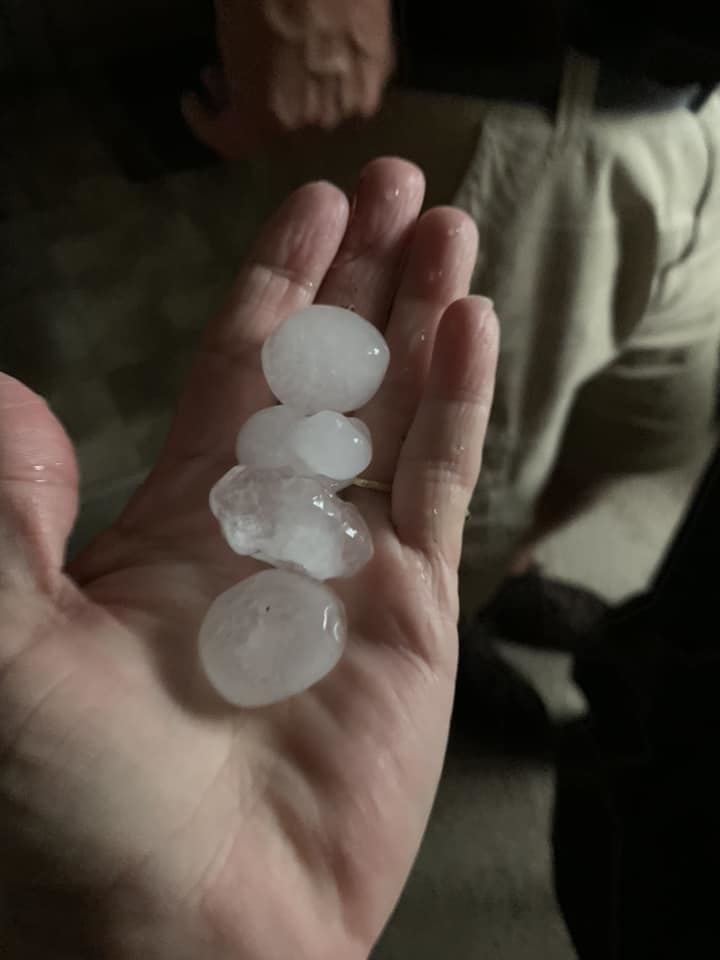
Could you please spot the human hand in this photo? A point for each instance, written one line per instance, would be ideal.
(288, 65)
(139, 815)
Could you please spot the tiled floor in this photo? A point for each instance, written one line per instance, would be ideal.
(104, 286)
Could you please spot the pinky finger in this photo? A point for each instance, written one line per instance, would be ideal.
(369, 88)
(330, 109)
(440, 460)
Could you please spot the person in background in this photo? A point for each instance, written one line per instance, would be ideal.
(595, 186)
(583, 138)
(290, 65)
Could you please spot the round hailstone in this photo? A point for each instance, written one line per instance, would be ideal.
(265, 439)
(325, 358)
(291, 521)
(270, 637)
(332, 445)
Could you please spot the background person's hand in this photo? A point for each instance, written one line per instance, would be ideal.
(289, 65)
(141, 817)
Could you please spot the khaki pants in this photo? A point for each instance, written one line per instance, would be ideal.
(600, 245)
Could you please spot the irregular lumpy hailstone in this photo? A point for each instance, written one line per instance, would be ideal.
(291, 521)
(270, 637)
(325, 358)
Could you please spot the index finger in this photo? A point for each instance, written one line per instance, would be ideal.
(285, 268)
(364, 275)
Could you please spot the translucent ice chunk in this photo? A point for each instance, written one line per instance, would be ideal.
(291, 521)
(332, 445)
(325, 358)
(270, 637)
(265, 439)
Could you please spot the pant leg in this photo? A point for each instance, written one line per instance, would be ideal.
(596, 243)
(636, 838)
(653, 407)
(540, 193)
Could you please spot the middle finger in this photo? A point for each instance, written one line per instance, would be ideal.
(364, 274)
(438, 271)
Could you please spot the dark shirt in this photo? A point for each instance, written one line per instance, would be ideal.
(672, 46)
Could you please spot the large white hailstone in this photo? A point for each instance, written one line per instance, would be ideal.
(325, 358)
(265, 439)
(332, 445)
(270, 637)
(325, 444)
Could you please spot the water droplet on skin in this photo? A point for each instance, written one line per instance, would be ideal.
(435, 511)
(40, 469)
(418, 339)
(435, 275)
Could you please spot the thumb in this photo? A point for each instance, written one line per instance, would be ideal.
(38, 489)
(201, 121)
(230, 128)
(220, 130)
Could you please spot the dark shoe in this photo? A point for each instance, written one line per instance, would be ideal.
(537, 611)
(494, 703)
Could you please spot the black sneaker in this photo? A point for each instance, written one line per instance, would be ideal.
(494, 704)
(537, 611)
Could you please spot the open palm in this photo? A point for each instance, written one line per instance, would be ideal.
(139, 815)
